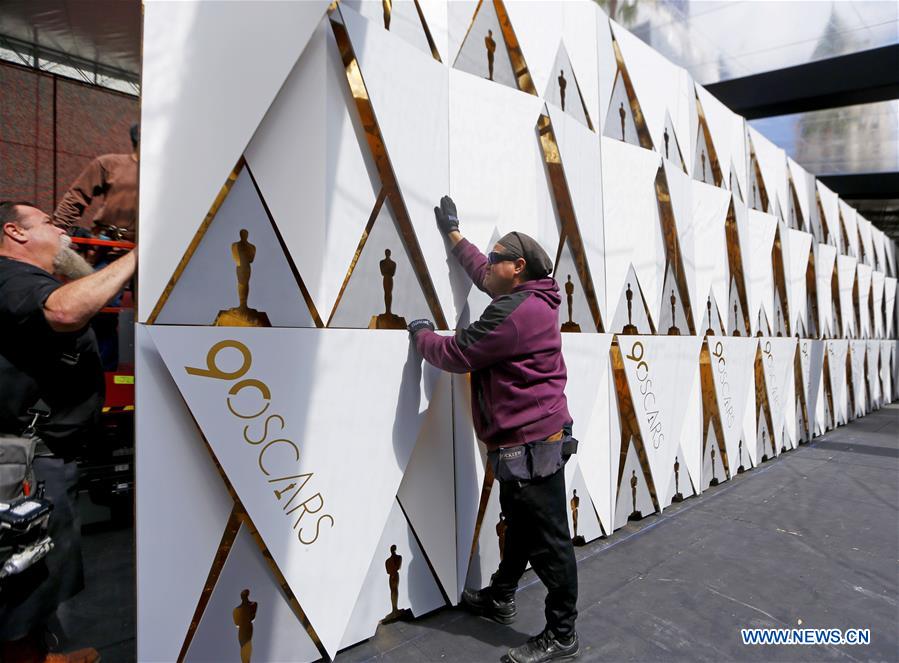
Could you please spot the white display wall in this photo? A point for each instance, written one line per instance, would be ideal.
(303, 476)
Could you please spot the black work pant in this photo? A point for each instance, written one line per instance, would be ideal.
(537, 531)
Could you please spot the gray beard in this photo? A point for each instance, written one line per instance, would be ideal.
(69, 263)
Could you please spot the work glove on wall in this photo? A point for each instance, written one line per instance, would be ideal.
(447, 217)
(418, 325)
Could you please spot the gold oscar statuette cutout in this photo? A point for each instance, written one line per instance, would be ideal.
(490, 45)
(630, 328)
(673, 330)
(570, 325)
(243, 253)
(392, 565)
(562, 85)
(243, 616)
(387, 319)
(717, 175)
(678, 497)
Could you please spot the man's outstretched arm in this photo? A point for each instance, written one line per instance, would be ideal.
(470, 258)
(71, 306)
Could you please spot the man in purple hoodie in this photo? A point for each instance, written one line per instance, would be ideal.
(518, 376)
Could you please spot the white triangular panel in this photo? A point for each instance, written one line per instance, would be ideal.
(846, 269)
(879, 239)
(886, 373)
(619, 123)
(318, 537)
(804, 183)
(671, 362)
(661, 88)
(416, 588)
(863, 276)
(273, 289)
(866, 240)
(733, 373)
(469, 461)
(607, 65)
(276, 633)
(825, 260)
(673, 316)
(873, 372)
(436, 15)
(889, 304)
(562, 88)
(427, 493)
(631, 211)
(185, 159)
(365, 295)
(721, 120)
(850, 225)
(680, 190)
(406, 24)
(796, 268)
(811, 355)
(709, 250)
(757, 231)
(877, 288)
(587, 391)
(778, 356)
(638, 316)
(690, 443)
(314, 169)
(538, 26)
(580, 501)
(580, 22)
(830, 204)
(712, 462)
(484, 37)
(171, 571)
(773, 164)
(399, 78)
(495, 162)
(857, 352)
(837, 352)
(579, 151)
(632, 495)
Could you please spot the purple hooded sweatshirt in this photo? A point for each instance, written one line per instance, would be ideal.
(514, 355)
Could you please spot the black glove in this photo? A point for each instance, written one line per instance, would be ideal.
(417, 325)
(447, 217)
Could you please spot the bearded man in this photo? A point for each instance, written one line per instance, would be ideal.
(51, 387)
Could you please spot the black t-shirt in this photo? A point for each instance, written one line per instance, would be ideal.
(62, 369)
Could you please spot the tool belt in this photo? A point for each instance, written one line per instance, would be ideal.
(534, 460)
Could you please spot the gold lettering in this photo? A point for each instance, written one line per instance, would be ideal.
(251, 382)
(296, 452)
(268, 419)
(213, 371)
(317, 530)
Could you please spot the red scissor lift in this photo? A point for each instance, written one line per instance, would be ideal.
(107, 462)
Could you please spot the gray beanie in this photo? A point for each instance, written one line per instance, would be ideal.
(524, 246)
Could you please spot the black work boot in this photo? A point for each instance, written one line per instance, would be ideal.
(482, 602)
(545, 647)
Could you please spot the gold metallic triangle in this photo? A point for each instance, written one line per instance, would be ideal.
(389, 181)
(706, 134)
(643, 134)
(570, 230)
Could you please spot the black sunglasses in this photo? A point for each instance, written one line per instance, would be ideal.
(493, 257)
